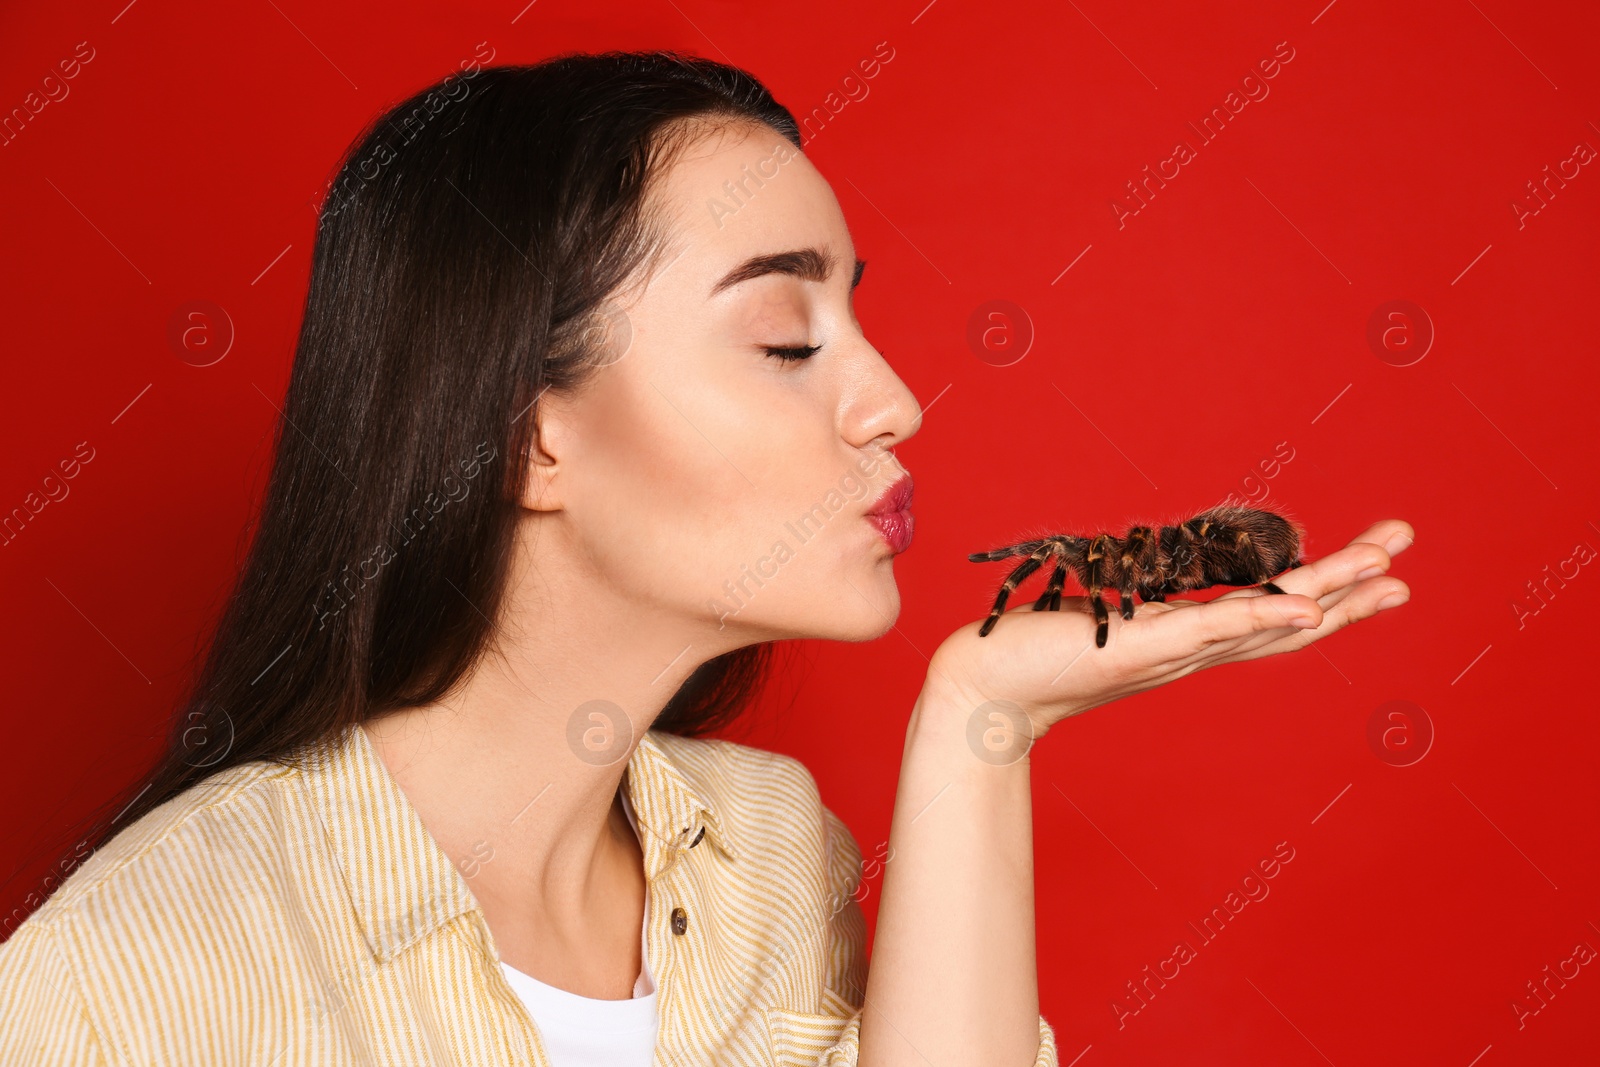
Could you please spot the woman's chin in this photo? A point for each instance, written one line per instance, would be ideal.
(868, 610)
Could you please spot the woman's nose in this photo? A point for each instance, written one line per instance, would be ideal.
(888, 410)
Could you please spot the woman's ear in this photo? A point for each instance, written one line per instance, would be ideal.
(542, 489)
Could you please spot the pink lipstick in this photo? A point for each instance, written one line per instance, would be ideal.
(892, 515)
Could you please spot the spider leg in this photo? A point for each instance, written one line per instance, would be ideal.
(1151, 573)
(1026, 548)
(1252, 561)
(1025, 568)
(1271, 588)
(1051, 598)
(1138, 560)
(1096, 601)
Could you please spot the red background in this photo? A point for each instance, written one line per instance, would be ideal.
(1225, 319)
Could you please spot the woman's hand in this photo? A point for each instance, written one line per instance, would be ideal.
(1046, 661)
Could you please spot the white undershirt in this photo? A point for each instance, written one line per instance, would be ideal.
(587, 1032)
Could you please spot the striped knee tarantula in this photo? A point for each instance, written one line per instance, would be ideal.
(1223, 546)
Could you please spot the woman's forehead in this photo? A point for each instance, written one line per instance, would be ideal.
(744, 204)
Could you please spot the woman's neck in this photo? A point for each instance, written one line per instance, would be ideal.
(516, 772)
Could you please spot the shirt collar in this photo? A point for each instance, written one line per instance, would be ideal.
(674, 796)
(401, 884)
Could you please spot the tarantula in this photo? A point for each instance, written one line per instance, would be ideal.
(1223, 546)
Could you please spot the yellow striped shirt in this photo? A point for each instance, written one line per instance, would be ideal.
(279, 916)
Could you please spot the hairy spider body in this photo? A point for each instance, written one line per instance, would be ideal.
(1222, 546)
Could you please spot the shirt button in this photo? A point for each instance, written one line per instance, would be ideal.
(680, 920)
(697, 837)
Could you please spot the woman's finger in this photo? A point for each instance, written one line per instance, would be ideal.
(1231, 619)
(1362, 601)
(1395, 535)
(1357, 561)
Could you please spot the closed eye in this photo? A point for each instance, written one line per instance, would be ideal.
(793, 352)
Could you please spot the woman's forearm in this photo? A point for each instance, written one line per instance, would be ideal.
(953, 977)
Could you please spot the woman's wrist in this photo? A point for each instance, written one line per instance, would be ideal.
(953, 961)
(981, 732)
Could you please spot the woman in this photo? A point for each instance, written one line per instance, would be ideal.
(578, 352)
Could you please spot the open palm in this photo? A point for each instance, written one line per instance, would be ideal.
(1046, 661)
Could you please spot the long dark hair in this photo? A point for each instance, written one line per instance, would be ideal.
(465, 254)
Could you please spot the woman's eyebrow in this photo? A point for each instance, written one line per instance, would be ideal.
(807, 264)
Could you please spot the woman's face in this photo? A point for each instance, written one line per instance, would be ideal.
(697, 476)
